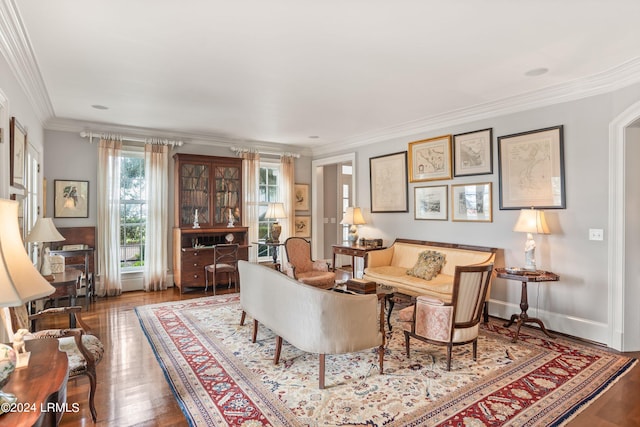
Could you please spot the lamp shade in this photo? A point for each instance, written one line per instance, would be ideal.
(20, 282)
(44, 231)
(353, 216)
(275, 211)
(531, 221)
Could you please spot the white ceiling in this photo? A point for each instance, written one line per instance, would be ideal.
(346, 71)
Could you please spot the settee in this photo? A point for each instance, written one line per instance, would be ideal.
(311, 319)
(390, 266)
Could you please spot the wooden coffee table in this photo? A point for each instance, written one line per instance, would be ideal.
(385, 293)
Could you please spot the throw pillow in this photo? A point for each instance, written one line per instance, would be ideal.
(428, 265)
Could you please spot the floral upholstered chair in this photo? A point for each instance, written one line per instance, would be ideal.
(301, 267)
(84, 350)
(455, 323)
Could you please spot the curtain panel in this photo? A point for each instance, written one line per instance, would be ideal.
(109, 217)
(250, 214)
(156, 166)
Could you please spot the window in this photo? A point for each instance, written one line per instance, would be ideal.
(133, 210)
(269, 191)
(345, 177)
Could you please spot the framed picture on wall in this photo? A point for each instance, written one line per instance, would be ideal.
(431, 202)
(389, 187)
(71, 199)
(303, 226)
(472, 202)
(302, 197)
(473, 153)
(430, 159)
(17, 149)
(532, 169)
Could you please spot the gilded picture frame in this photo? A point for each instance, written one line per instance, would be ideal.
(301, 197)
(430, 159)
(472, 202)
(302, 226)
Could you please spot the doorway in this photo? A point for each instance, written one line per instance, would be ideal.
(326, 211)
(624, 226)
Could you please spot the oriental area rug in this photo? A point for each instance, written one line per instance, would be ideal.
(220, 377)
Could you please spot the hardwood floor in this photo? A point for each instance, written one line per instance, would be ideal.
(132, 390)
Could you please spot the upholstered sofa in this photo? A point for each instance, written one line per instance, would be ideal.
(390, 266)
(312, 319)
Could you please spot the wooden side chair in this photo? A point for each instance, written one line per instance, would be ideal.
(83, 349)
(455, 323)
(225, 260)
(301, 267)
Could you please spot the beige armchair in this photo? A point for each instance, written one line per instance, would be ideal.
(83, 349)
(456, 323)
(301, 267)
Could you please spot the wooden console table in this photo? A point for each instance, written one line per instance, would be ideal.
(353, 251)
(525, 277)
(41, 387)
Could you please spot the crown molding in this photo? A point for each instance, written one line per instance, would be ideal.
(18, 52)
(616, 78)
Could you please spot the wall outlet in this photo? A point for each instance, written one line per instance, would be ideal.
(596, 234)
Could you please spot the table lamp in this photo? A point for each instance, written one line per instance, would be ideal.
(275, 211)
(531, 221)
(20, 282)
(353, 217)
(44, 232)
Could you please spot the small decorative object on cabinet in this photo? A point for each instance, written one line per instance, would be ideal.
(208, 191)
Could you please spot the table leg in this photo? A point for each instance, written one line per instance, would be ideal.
(523, 317)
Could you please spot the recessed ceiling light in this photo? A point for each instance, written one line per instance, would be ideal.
(536, 72)
(99, 107)
(314, 137)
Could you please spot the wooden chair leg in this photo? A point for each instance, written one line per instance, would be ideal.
(406, 343)
(475, 350)
(321, 373)
(243, 317)
(381, 358)
(255, 330)
(92, 394)
(276, 357)
(485, 312)
(449, 348)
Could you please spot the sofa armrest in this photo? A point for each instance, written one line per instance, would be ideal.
(379, 257)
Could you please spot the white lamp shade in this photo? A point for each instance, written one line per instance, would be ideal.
(531, 221)
(44, 231)
(20, 282)
(275, 211)
(353, 216)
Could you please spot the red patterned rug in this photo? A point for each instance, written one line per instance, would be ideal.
(220, 377)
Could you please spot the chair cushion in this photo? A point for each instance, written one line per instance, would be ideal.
(428, 265)
(319, 279)
(77, 363)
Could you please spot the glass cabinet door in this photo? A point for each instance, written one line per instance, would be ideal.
(194, 193)
(228, 186)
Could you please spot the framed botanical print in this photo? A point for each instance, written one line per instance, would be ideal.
(431, 202)
(17, 149)
(71, 199)
(472, 202)
(532, 169)
(389, 187)
(430, 159)
(473, 153)
(302, 197)
(303, 226)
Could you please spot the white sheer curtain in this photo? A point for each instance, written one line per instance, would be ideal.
(251, 172)
(109, 217)
(156, 169)
(287, 195)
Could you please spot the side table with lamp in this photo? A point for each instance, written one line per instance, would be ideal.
(530, 221)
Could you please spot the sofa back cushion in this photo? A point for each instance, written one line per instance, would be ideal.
(405, 255)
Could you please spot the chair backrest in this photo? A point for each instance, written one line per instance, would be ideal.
(299, 253)
(469, 291)
(226, 254)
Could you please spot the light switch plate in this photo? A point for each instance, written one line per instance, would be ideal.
(596, 234)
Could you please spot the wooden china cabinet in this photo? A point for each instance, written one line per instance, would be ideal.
(209, 189)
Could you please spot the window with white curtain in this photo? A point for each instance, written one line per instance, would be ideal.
(133, 210)
(269, 192)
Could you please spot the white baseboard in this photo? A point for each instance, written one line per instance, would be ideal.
(574, 326)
